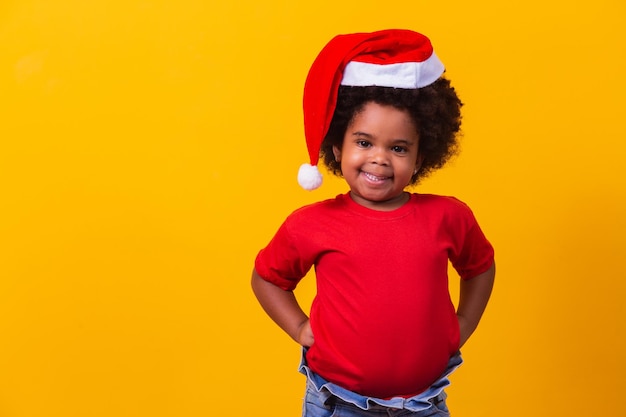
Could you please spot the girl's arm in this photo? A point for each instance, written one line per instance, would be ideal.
(474, 295)
(283, 308)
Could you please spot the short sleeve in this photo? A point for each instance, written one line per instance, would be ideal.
(473, 254)
(282, 261)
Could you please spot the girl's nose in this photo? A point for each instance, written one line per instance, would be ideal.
(379, 157)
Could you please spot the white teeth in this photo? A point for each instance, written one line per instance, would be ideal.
(374, 177)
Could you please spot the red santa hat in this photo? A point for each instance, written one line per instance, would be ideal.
(388, 58)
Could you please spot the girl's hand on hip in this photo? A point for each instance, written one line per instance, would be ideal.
(305, 334)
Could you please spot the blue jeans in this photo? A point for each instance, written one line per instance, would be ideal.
(325, 399)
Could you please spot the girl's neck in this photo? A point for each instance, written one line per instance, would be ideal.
(386, 205)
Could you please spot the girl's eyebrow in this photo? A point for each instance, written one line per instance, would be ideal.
(407, 142)
(367, 135)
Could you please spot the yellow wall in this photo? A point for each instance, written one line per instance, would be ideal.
(148, 149)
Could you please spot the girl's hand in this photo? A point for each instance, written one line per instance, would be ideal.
(284, 309)
(305, 334)
(464, 330)
(475, 293)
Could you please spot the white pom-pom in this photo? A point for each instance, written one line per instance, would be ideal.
(309, 177)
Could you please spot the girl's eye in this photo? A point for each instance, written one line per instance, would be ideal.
(399, 149)
(362, 143)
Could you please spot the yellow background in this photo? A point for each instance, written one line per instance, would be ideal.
(148, 150)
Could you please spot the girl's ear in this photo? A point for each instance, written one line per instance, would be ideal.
(337, 153)
(418, 164)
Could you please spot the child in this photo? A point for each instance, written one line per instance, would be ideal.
(383, 335)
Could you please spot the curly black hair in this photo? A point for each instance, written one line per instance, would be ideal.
(435, 110)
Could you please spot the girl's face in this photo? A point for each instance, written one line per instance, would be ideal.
(379, 156)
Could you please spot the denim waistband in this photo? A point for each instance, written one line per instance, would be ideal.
(416, 403)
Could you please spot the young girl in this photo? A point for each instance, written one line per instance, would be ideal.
(383, 335)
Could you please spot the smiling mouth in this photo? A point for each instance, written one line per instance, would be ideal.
(374, 178)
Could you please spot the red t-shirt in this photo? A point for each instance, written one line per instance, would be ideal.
(383, 321)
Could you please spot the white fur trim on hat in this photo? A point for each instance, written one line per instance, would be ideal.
(309, 177)
(402, 75)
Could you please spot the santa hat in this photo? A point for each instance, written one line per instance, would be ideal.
(388, 58)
